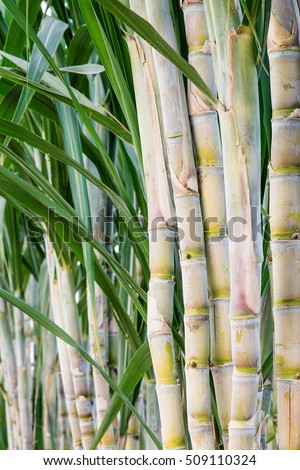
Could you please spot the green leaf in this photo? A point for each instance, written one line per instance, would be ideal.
(81, 47)
(112, 69)
(59, 333)
(138, 365)
(19, 17)
(15, 39)
(85, 69)
(73, 230)
(59, 92)
(18, 132)
(50, 35)
(149, 34)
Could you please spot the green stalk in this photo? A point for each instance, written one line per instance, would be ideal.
(181, 164)
(209, 163)
(284, 57)
(234, 62)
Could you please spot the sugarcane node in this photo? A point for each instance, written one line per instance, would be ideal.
(191, 364)
(295, 236)
(188, 256)
(297, 376)
(275, 417)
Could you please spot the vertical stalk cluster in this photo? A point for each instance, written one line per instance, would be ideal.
(134, 427)
(284, 57)
(50, 389)
(209, 163)
(22, 379)
(161, 285)
(189, 221)
(234, 63)
(10, 374)
(73, 369)
(98, 324)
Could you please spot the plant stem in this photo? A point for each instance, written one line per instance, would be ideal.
(208, 150)
(284, 57)
(240, 131)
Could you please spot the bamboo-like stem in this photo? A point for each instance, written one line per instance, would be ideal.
(161, 286)
(10, 375)
(63, 428)
(31, 294)
(284, 57)
(22, 376)
(77, 366)
(9, 426)
(98, 326)
(49, 391)
(152, 413)
(101, 387)
(191, 239)
(134, 427)
(209, 163)
(62, 348)
(234, 63)
(266, 406)
(66, 370)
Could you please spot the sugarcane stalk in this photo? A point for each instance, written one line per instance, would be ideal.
(189, 220)
(77, 365)
(22, 378)
(209, 164)
(10, 374)
(98, 326)
(31, 295)
(63, 428)
(284, 57)
(9, 426)
(134, 427)
(101, 387)
(240, 132)
(152, 413)
(161, 285)
(49, 390)
(62, 349)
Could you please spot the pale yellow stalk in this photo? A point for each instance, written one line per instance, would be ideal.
(152, 413)
(10, 378)
(49, 388)
(63, 428)
(208, 151)
(176, 126)
(284, 57)
(161, 286)
(134, 427)
(25, 409)
(234, 62)
(77, 365)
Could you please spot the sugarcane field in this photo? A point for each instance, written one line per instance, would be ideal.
(150, 230)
